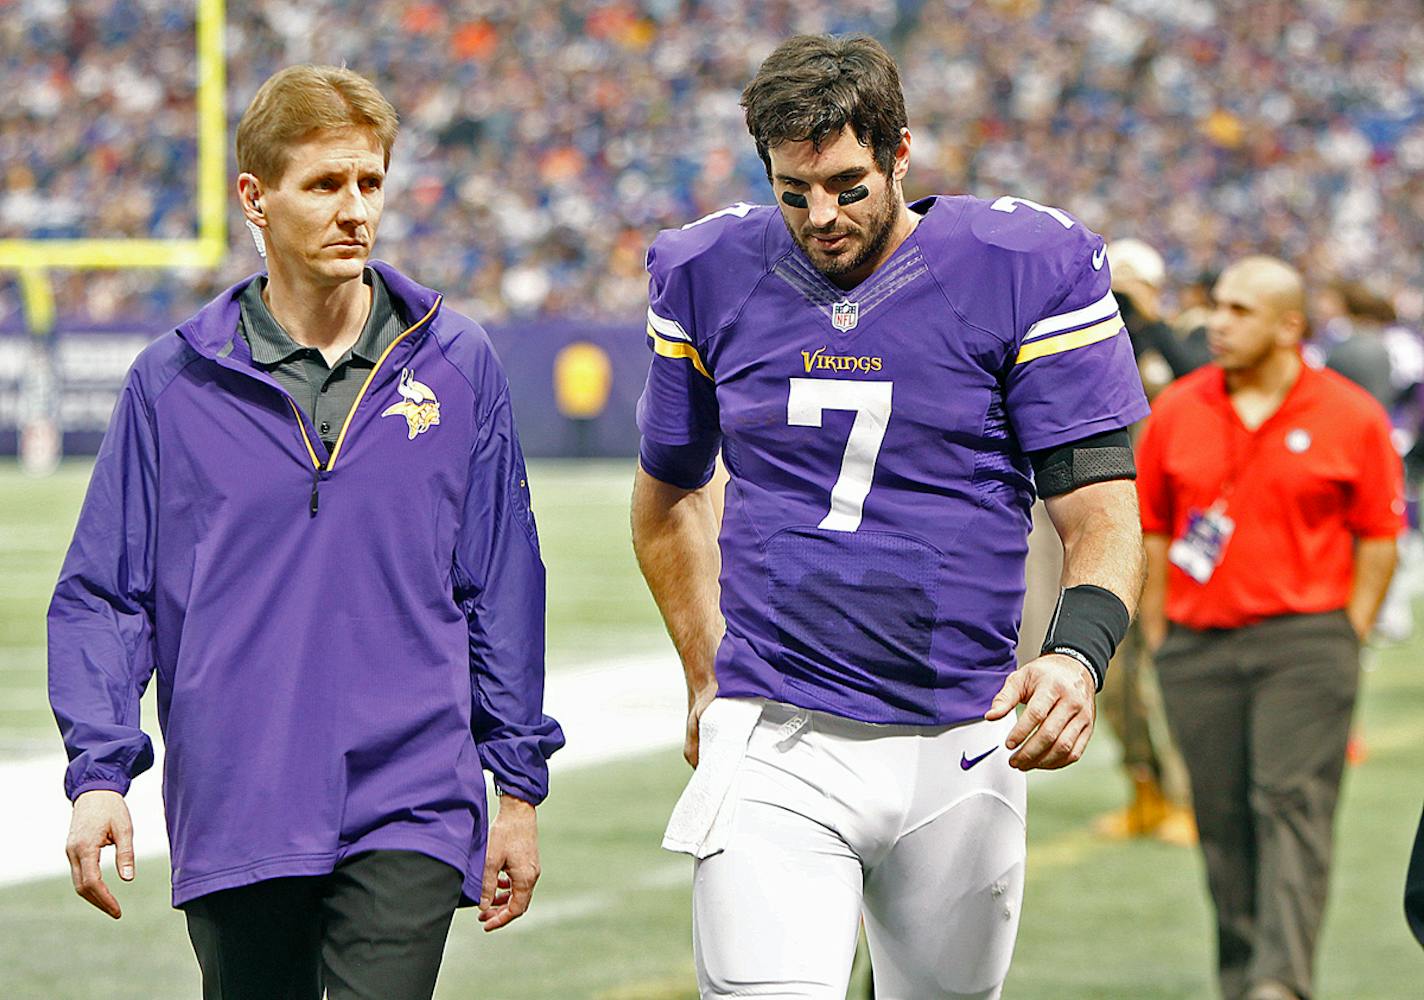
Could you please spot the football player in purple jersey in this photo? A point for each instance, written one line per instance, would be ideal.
(889, 386)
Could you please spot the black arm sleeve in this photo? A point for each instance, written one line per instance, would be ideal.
(1094, 459)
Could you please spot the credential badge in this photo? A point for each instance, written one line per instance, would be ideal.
(418, 405)
(845, 315)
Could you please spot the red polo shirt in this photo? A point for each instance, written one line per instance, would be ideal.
(1318, 474)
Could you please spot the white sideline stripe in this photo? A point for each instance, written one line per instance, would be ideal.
(609, 711)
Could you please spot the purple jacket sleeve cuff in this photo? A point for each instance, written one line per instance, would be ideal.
(520, 762)
(96, 783)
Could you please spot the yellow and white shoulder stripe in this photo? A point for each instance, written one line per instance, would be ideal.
(670, 340)
(1067, 331)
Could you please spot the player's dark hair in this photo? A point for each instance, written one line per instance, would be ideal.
(812, 86)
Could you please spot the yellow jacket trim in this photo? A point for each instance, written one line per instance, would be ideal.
(301, 426)
(350, 415)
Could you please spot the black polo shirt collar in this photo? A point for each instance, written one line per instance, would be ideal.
(271, 345)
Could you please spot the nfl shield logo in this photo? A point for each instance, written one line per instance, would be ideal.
(845, 315)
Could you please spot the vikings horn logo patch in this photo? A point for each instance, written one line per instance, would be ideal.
(418, 405)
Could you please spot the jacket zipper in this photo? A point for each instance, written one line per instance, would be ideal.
(317, 467)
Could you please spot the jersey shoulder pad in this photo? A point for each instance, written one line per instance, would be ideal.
(700, 274)
(1038, 260)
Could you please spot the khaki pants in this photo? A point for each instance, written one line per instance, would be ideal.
(1262, 715)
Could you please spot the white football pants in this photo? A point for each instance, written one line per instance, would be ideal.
(835, 820)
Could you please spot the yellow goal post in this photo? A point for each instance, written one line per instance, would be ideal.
(33, 258)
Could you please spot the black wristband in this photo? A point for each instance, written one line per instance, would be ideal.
(1087, 625)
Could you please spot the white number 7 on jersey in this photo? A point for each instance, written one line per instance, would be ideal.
(808, 398)
(1008, 203)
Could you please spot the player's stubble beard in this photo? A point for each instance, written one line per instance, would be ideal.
(878, 231)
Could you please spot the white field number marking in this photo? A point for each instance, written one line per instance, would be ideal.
(808, 399)
(1008, 203)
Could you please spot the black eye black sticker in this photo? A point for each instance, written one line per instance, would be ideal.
(795, 200)
(854, 195)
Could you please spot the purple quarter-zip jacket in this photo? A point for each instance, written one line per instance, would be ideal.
(342, 641)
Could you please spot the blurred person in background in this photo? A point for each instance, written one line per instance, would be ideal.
(1354, 343)
(1193, 312)
(1131, 702)
(1164, 351)
(310, 516)
(886, 382)
(1271, 500)
(1160, 804)
(1359, 335)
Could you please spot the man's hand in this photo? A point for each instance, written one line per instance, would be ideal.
(1060, 705)
(697, 703)
(511, 864)
(100, 818)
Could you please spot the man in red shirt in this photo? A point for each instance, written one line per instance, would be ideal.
(1271, 499)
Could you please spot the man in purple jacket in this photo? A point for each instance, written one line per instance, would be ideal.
(310, 516)
(889, 385)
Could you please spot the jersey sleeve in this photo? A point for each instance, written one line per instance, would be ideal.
(1072, 373)
(679, 402)
(1377, 500)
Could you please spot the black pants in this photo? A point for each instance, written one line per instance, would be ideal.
(374, 929)
(1262, 715)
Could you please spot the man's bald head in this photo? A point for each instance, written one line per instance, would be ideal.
(1278, 284)
(1259, 313)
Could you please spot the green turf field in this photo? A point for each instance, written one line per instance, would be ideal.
(610, 920)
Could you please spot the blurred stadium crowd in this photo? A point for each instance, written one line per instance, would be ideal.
(544, 143)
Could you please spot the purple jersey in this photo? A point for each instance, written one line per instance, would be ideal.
(877, 518)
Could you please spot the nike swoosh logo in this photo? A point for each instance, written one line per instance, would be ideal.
(1099, 256)
(966, 762)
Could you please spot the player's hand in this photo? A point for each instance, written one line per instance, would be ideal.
(697, 703)
(1060, 703)
(100, 818)
(511, 863)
